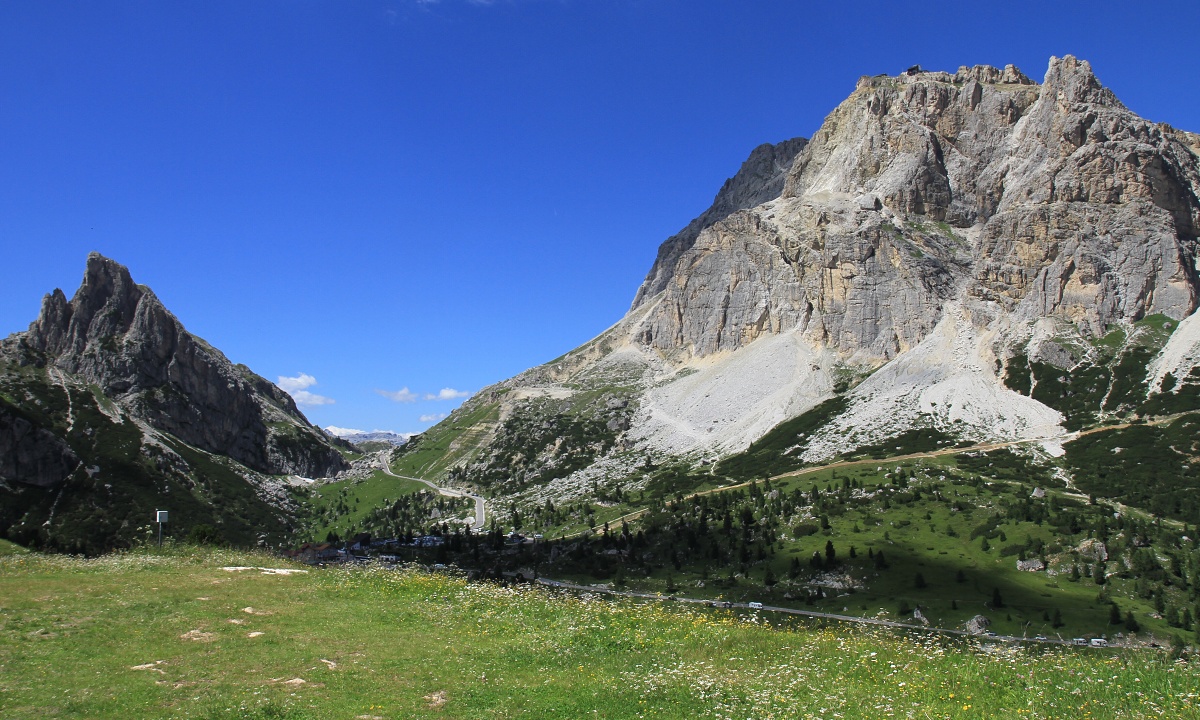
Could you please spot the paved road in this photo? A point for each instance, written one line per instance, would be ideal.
(448, 492)
(805, 613)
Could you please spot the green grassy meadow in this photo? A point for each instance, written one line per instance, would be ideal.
(173, 635)
(338, 506)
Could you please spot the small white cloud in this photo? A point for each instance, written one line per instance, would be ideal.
(297, 388)
(432, 417)
(448, 394)
(403, 395)
(304, 397)
(341, 431)
(303, 381)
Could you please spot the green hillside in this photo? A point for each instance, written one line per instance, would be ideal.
(108, 501)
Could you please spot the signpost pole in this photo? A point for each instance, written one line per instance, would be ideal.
(160, 516)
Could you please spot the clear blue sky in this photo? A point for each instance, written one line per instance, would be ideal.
(389, 194)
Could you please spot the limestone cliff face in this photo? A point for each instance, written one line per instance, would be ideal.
(761, 178)
(1049, 200)
(116, 334)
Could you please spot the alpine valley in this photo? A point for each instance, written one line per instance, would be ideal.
(939, 361)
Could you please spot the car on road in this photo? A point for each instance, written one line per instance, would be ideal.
(756, 606)
(1041, 638)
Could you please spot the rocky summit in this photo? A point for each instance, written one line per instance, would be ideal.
(108, 392)
(941, 244)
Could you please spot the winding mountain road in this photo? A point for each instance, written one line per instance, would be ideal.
(448, 492)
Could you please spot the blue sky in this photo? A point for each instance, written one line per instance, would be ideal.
(394, 202)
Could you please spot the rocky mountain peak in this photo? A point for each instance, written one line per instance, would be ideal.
(116, 335)
(107, 305)
(1072, 81)
(1049, 200)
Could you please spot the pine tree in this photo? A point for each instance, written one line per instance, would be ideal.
(997, 601)
(1131, 623)
(919, 582)
(1057, 620)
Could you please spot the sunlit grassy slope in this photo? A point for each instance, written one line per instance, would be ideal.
(175, 635)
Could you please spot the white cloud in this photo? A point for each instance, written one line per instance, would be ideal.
(403, 395)
(304, 397)
(298, 386)
(433, 417)
(341, 431)
(302, 381)
(448, 394)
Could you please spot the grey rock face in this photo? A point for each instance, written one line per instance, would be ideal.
(978, 625)
(1049, 200)
(117, 335)
(761, 178)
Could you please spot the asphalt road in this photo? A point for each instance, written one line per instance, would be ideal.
(806, 613)
(448, 492)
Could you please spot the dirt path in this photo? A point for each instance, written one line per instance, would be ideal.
(979, 447)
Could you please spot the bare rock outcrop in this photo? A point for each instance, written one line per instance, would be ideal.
(978, 625)
(760, 179)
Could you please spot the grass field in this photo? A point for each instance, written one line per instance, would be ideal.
(173, 635)
(337, 506)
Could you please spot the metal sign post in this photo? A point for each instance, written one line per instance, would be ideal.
(160, 516)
